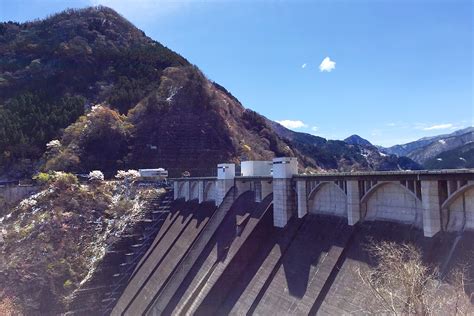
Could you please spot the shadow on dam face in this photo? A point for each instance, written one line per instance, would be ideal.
(310, 266)
(313, 241)
(249, 266)
(243, 210)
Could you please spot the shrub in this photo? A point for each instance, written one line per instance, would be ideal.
(42, 178)
(401, 283)
(98, 140)
(8, 307)
(63, 160)
(67, 284)
(63, 180)
(120, 207)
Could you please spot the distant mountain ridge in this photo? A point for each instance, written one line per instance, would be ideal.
(428, 148)
(357, 140)
(357, 154)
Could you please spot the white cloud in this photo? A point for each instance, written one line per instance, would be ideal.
(439, 126)
(292, 124)
(327, 65)
(315, 128)
(303, 66)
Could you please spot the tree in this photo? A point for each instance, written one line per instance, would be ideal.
(64, 180)
(98, 140)
(96, 176)
(402, 283)
(128, 176)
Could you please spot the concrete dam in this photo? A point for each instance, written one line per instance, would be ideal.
(273, 241)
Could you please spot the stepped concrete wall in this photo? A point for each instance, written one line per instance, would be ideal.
(177, 276)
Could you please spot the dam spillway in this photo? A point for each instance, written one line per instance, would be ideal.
(227, 252)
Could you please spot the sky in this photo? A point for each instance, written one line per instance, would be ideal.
(391, 71)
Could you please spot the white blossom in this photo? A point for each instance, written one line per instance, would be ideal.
(95, 108)
(28, 203)
(129, 175)
(96, 175)
(54, 144)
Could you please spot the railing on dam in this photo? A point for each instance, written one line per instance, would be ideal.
(395, 175)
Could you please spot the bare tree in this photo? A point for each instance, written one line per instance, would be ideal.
(403, 284)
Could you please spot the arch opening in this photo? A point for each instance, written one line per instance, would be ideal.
(193, 190)
(327, 198)
(458, 210)
(393, 202)
(209, 191)
(180, 194)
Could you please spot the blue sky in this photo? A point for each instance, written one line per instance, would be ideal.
(403, 69)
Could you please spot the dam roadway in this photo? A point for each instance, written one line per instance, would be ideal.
(223, 250)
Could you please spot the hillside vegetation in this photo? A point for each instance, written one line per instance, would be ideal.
(460, 157)
(51, 243)
(52, 70)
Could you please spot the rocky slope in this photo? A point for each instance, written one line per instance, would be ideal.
(187, 124)
(426, 149)
(350, 155)
(52, 242)
(156, 109)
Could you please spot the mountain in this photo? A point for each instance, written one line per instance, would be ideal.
(340, 155)
(357, 140)
(460, 157)
(85, 89)
(52, 70)
(427, 148)
(157, 109)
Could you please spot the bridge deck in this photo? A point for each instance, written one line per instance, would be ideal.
(467, 174)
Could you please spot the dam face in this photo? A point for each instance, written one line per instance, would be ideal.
(290, 244)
